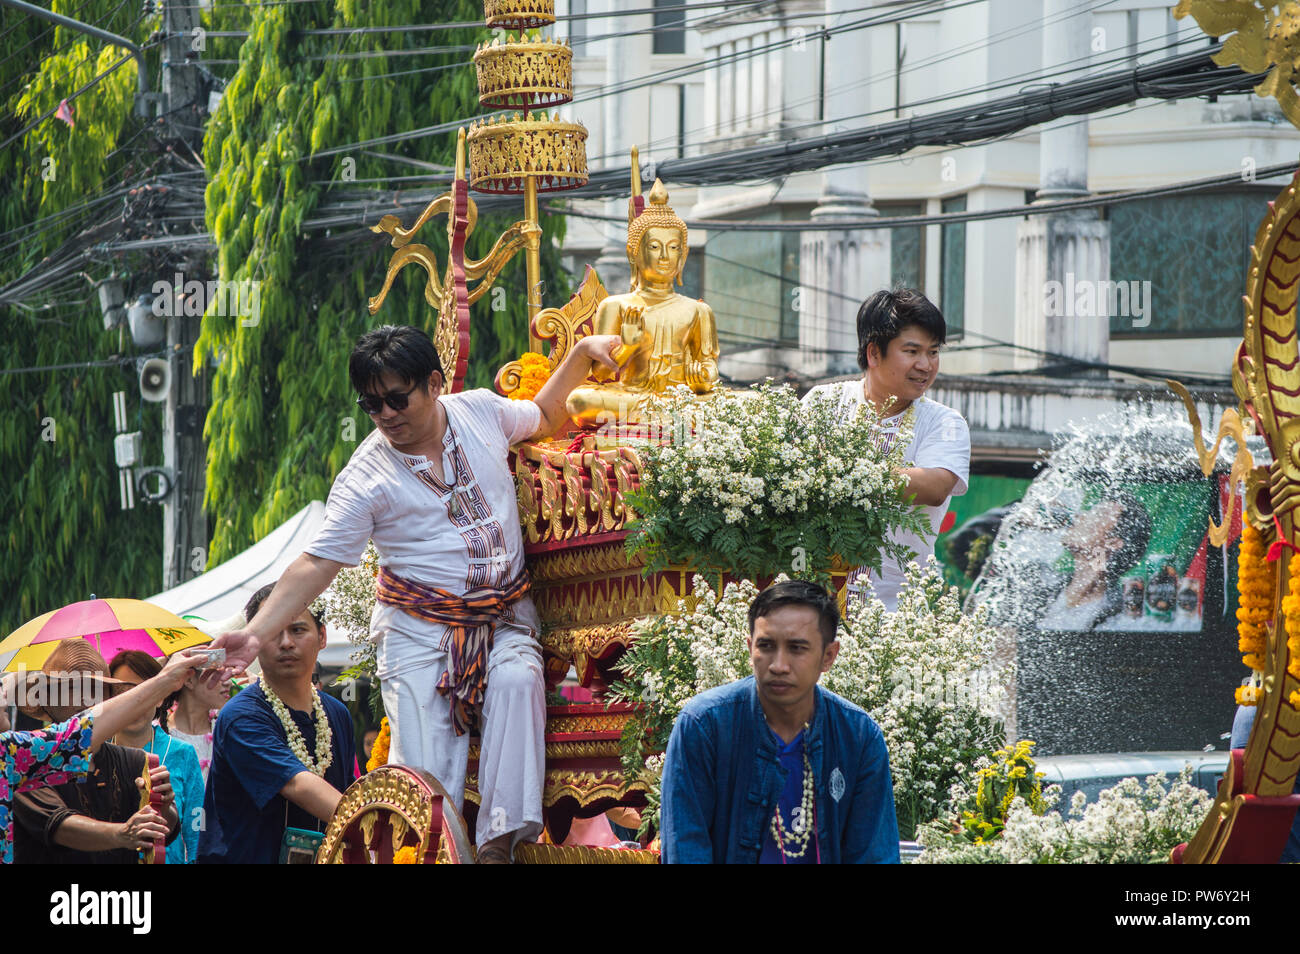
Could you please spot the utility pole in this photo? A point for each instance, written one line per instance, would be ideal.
(185, 527)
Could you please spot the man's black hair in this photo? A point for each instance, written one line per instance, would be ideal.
(257, 599)
(798, 593)
(401, 349)
(886, 313)
(1133, 527)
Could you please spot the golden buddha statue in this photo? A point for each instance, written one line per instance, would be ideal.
(668, 339)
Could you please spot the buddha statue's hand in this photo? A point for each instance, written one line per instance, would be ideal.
(632, 324)
(697, 374)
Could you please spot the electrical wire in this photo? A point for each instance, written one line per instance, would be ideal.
(650, 80)
(1022, 80)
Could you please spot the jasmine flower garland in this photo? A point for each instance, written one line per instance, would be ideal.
(297, 744)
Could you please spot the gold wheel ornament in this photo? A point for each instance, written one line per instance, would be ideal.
(391, 808)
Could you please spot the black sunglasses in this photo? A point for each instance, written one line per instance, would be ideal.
(397, 400)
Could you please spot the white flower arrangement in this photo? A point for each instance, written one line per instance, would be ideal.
(347, 605)
(760, 483)
(889, 663)
(1127, 824)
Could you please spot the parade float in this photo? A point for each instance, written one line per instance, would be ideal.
(608, 608)
(586, 488)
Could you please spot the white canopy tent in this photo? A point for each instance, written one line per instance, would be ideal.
(222, 591)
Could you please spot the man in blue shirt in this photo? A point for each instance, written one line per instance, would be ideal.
(774, 769)
(272, 765)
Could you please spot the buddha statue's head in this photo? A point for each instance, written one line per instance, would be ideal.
(656, 241)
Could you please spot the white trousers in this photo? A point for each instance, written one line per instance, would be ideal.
(512, 757)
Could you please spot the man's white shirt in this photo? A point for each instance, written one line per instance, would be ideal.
(940, 438)
(455, 537)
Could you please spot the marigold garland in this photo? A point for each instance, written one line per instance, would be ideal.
(404, 856)
(379, 751)
(1291, 611)
(1256, 584)
(536, 371)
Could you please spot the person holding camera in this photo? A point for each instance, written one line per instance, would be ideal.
(45, 816)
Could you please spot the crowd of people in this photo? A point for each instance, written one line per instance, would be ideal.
(769, 769)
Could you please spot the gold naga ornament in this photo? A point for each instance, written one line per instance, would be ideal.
(1254, 807)
(1261, 37)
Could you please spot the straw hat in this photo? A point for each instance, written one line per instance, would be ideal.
(77, 656)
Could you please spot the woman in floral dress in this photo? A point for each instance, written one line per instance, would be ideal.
(52, 756)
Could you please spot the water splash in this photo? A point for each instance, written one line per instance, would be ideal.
(1120, 613)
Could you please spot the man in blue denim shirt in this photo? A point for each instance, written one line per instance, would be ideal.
(773, 768)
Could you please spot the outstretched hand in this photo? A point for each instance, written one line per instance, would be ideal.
(241, 647)
(602, 349)
(177, 670)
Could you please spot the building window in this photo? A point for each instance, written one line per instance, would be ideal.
(578, 25)
(670, 29)
(906, 246)
(751, 280)
(1194, 250)
(952, 269)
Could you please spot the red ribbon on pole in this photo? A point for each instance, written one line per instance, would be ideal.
(1281, 543)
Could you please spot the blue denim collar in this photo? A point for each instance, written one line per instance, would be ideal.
(763, 735)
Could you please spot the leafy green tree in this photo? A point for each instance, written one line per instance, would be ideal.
(282, 421)
(64, 534)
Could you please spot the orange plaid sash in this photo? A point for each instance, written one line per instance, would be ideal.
(472, 622)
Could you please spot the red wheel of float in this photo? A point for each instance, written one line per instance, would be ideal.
(392, 808)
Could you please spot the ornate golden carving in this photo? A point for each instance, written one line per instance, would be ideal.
(592, 560)
(588, 787)
(586, 749)
(583, 787)
(1266, 377)
(552, 510)
(524, 74)
(532, 854)
(573, 494)
(403, 794)
(601, 722)
(519, 14)
(529, 506)
(1263, 38)
(444, 289)
(581, 645)
(503, 153)
(563, 326)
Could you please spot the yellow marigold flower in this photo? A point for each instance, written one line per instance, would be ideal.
(404, 856)
(536, 369)
(379, 752)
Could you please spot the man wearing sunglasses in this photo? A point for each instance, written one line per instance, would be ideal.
(454, 626)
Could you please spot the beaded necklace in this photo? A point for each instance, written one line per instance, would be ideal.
(807, 809)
